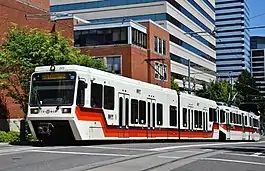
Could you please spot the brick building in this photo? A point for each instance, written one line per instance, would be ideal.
(138, 50)
(31, 14)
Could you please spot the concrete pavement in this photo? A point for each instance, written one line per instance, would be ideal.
(243, 156)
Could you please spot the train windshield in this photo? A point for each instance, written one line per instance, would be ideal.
(52, 89)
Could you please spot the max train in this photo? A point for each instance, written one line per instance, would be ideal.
(71, 102)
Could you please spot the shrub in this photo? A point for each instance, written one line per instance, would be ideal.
(9, 137)
(14, 137)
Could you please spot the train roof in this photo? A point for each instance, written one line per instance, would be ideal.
(62, 68)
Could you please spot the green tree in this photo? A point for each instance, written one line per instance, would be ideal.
(246, 86)
(24, 49)
(174, 85)
(218, 91)
(247, 89)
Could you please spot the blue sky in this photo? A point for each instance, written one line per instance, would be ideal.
(257, 7)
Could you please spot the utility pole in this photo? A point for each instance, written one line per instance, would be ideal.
(189, 90)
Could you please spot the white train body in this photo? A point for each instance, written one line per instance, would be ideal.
(79, 103)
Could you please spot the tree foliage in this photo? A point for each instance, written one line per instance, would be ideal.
(246, 86)
(24, 49)
(174, 85)
(244, 90)
(220, 91)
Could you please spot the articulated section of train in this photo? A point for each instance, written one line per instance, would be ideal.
(79, 103)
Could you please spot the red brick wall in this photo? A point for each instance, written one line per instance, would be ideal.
(42, 4)
(132, 61)
(13, 12)
(152, 31)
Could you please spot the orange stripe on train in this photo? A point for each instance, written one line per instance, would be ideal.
(114, 131)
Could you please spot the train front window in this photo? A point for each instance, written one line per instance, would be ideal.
(52, 89)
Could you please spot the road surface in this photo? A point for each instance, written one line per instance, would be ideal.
(174, 156)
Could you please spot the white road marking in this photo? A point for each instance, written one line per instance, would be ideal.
(169, 157)
(233, 161)
(16, 149)
(256, 154)
(201, 145)
(243, 155)
(81, 153)
(117, 148)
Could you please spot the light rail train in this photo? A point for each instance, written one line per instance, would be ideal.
(70, 102)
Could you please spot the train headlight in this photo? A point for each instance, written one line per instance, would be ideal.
(66, 110)
(34, 111)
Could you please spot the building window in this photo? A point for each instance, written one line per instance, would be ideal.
(160, 71)
(155, 44)
(160, 46)
(113, 63)
(258, 53)
(106, 36)
(139, 38)
(164, 47)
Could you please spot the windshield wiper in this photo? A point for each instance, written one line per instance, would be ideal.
(37, 98)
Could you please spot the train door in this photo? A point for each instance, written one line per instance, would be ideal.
(205, 121)
(150, 116)
(123, 114)
(190, 121)
(228, 126)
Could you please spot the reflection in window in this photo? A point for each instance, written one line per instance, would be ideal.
(173, 116)
(113, 63)
(160, 71)
(159, 112)
(96, 95)
(139, 38)
(109, 97)
(134, 111)
(106, 36)
(155, 44)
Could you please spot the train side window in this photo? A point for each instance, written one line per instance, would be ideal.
(159, 113)
(231, 118)
(236, 119)
(222, 116)
(142, 112)
(246, 120)
(134, 111)
(184, 117)
(109, 97)
(196, 118)
(80, 99)
(173, 116)
(211, 115)
(96, 95)
(240, 119)
(215, 115)
(154, 113)
(200, 119)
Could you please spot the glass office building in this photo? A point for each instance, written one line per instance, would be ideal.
(232, 41)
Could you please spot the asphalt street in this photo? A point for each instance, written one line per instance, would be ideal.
(175, 156)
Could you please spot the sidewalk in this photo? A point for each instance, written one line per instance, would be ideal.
(3, 144)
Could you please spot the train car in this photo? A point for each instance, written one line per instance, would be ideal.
(236, 124)
(70, 102)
